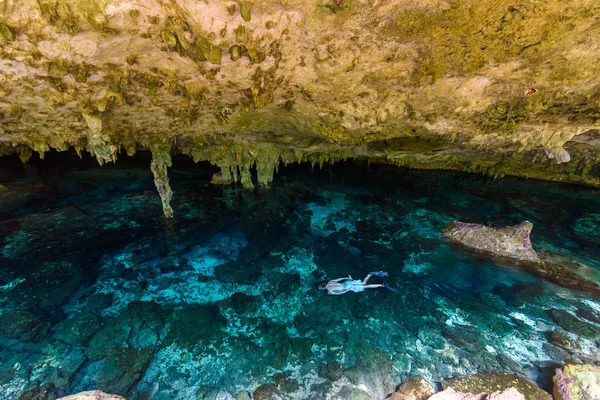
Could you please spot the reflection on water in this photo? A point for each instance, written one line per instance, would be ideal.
(97, 291)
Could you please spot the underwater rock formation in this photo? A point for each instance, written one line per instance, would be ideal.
(577, 382)
(512, 242)
(512, 245)
(92, 395)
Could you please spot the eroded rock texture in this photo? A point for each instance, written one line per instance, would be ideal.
(496, 87)
(577, 382)
(512, 241)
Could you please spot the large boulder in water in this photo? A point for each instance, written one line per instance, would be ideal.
(92, 395)
(512, 241)
(577, 382)
(511, 245)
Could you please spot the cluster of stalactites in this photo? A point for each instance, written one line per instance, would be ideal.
(236, 167)
(237, 161)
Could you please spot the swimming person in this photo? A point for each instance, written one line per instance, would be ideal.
(343, 285)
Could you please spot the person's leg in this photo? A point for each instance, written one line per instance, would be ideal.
(373, 286)
(364, 282)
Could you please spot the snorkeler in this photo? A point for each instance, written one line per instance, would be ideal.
(343, 285)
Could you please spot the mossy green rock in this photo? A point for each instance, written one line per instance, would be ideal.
(494, 382)
(577, 382)
(6, 33)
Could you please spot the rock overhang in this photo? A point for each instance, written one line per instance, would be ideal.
(494, 87)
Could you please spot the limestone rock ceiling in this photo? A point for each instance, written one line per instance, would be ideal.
(492, 86)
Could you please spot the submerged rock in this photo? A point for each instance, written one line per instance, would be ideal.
(123, 368)
(99, 301)
(577, 382)
(512, 242)
(571, 323)
(352, 393)
(92, 395)
(512, 245)
(22, 325)
(78, 330)
(267, 391)
(417, 389)
(494, 381)
(369, 367)
(562, 340)
(587, 225)
(238, 272)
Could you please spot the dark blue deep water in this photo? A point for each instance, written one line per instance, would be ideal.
(98, 291)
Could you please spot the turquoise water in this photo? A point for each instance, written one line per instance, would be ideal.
(98, 291)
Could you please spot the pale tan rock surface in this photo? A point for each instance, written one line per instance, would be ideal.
(511, 241)
(92, 395)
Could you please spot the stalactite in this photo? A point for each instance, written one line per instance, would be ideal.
(161, 159)
(98, 143)
(265, 167)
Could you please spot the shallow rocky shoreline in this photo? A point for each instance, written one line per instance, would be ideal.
(573, 382)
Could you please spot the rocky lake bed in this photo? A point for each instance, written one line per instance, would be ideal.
(97, 291)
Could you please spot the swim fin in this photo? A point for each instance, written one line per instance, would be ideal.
(379, 273)
(393, 289)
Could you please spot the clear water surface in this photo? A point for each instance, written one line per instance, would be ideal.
(98, 291)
